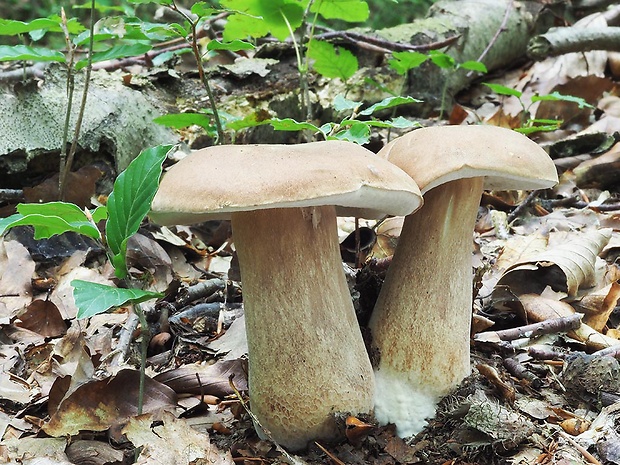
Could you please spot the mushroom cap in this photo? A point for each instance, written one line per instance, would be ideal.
(216, 181)
(439, 154)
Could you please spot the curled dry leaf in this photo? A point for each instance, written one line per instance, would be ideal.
(566, 267)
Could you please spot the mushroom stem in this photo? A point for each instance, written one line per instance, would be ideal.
(421, 321)
(307, 359)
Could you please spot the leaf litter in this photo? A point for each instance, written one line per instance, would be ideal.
(545, 394)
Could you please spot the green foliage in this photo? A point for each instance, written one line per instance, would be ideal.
(128, 204)
(93, 298)
(130, 201)
(530, 125)
(23, 52)
(257, 18)
(352, 11)
(50, 219)
(350, 128)
(331, 61)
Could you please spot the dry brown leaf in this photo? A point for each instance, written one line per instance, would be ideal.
(16, 273)
(99, 405)
(42, 317)
(37, 451)
(212, 379)
(173, 442)
(388, 233)
(598, 305)
(566, 267)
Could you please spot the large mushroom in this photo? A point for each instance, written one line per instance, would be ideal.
(307, 359)
(420, 325)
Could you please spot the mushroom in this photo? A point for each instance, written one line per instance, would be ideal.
(420, 325)
(307, 359)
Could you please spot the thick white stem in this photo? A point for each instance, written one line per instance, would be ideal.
(307, 359)
(421, 322)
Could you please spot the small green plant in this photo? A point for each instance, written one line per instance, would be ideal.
(355, 127)
(403, 62)
(128, 205)
(530, 125)
(296, 19)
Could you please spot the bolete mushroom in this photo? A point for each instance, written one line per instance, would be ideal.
(421, 322)
(307, 359)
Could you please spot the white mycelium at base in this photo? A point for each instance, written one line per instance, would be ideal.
(405, 406)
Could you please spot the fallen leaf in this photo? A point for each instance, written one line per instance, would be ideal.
(99, 405)
(172, 442)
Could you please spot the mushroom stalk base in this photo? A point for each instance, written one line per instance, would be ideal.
(421, 322)
(307, 359)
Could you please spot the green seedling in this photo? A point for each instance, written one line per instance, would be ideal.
(355, 127)
(128, 205)
(528, 124)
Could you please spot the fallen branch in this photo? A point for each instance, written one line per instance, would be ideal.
(561, 40)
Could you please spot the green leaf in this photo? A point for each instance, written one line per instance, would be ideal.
(130, 201)
(202, 10)
(7, 223)
(352, 11)
(402, 62)
(557, 97)
(503, 90)
(341, 103)
(388, 102)
(9, 27)
(158, 2)
(331, 61)
(289, 124)
(50, 219)
(257, 18)
(93, 298)
(396, 123)
(474, 66)
(234, 45)
(116, 52)
(252, 120)
(183, 120)
(357, 132)
(22, 52)
(442, 60)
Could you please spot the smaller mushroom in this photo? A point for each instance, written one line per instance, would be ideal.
(421, 322)
(307, 359)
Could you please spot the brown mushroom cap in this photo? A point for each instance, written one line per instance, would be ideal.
(214, 182)
(506, 159)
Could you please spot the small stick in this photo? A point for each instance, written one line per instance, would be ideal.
(551, 326)
(586, 455)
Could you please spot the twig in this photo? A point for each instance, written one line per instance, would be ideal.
(202, 289)
(124, 340)
(522, 206)
(384, 45)
(289, 458)
(554, 325)
(493, 40)
(586, 455)
(78, 123)
(11, 194)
